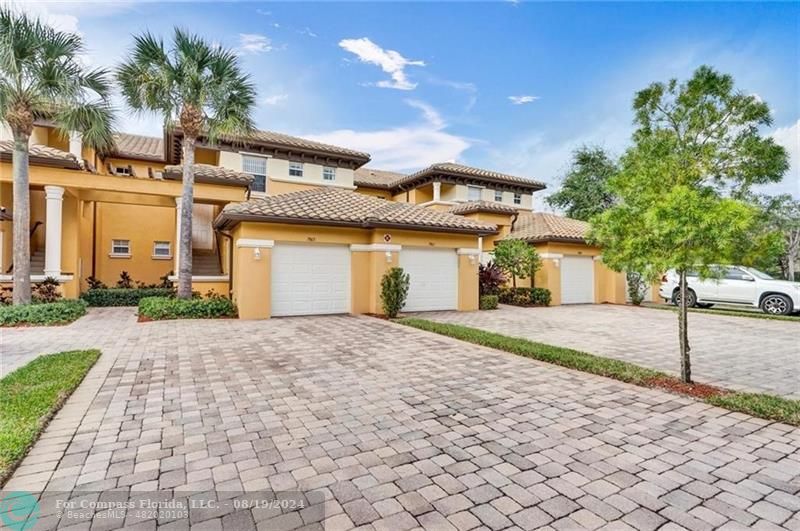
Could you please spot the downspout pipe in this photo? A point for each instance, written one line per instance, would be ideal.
(230, 261)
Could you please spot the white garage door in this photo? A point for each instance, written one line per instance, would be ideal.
(434, 279)
(310, 279)
(577, 280)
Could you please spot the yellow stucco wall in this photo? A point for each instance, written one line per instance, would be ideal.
(376, 192)
(142, 225)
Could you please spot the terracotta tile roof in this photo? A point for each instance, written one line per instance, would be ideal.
(271, 137)
(330, 206)
(452, 168)
(43, 155)
(470, 207)
(542, 227)
(138, 147)
(205, 173)
(373, 178)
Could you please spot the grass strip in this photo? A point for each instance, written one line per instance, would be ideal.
(31, 395)
(730, 312)
(565, 357)
(763, 406)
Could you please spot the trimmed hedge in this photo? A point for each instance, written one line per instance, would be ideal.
(525, 296)
(123, 296)
(38, 313)
(157, 308)
(488, 302)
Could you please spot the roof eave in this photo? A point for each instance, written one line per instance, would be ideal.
(208, 180)
(227, 220)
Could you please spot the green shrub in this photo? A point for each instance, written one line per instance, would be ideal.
(636, 287)
(488, 302)
(525, 296)
(540, 297)
(394, 291)
(158, 308)
(123, 296)
(38, 313)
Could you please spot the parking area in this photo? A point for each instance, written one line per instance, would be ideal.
(739, 353)
(391, 428)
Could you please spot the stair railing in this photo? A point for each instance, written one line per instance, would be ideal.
(30, 235)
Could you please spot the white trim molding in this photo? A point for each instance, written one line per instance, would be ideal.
(551, 256)
(375, 247)
(251, 243)
(202, 278)
(38, 278)
(598, 258)
(468, 251)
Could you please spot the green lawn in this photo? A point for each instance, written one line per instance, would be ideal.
(31, 395)
(758, 405)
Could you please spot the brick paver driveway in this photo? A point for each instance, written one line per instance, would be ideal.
(390, 428)
(735, 352)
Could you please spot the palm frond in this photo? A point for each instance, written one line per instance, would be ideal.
(95, 120)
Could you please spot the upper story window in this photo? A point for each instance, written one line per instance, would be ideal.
(498, 196)
(295, 169)
(257, 167)
(517, 199)
(162, 250)
(120, 247)
(328, 173)
(473, 193)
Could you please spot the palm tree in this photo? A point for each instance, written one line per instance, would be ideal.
(199, 87)
(41, 76)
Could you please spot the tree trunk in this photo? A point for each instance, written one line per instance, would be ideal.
(21, 221)
(791, 268)
(683, 330)
(187, 199)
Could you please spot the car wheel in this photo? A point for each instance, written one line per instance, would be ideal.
(776, 304)
(691, 298)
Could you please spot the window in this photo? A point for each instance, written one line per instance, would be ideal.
(498, 196)
(122, 170)
(734, 273)
(473, 193)
(517, 199)
(295, 169)
(162, 250)
(257, 167)
(120, 247)
(328, 173)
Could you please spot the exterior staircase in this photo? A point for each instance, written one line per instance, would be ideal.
(37, 262)
(205, 264)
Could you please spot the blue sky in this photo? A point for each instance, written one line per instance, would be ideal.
(512, 86)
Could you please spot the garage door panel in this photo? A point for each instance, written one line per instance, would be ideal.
(433, 279)
(577, 280)
(310, 279)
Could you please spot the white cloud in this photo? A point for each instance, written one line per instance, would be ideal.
(275, 99)
(404, 148)
(254, 43)
(522, 100)
(788, 137)
(307, 31)
(389, 61)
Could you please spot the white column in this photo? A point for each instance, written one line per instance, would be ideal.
(76, 144)
(54, 196)
(437, 190)
(176, 252)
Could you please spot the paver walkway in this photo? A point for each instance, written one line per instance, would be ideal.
(388, 428)
(739, 353)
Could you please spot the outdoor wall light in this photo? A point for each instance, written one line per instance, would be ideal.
(555, 262)
(257, 253)
(472, 259)
(388, 257)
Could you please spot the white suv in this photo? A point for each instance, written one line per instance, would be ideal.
(735, 285)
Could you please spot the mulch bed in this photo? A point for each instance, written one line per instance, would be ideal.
(696, 390)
